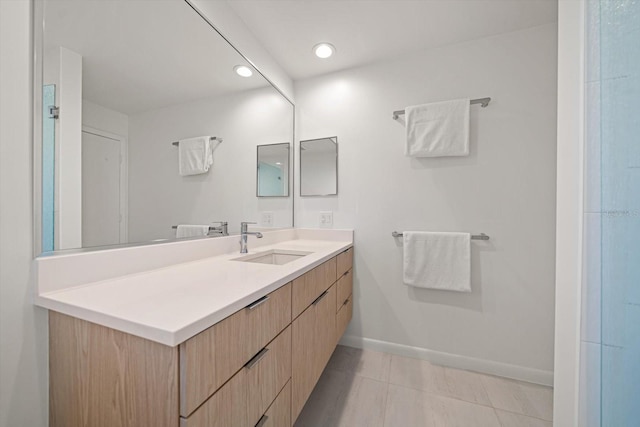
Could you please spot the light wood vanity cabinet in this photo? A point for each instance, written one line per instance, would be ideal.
(257, 367)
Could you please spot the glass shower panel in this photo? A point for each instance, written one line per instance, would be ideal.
(619, 42)
(48, 167)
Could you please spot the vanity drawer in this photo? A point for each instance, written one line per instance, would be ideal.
(344, 288)
(267, 373)
(344, 317)
(226, 408)
(345, 261)
(210, 358)
(279, 414)
(306, 288)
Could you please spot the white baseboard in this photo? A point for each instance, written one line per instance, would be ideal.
(521, 373)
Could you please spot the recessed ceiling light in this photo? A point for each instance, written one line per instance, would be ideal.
(278, 163)
(324, 50)
(243, 70)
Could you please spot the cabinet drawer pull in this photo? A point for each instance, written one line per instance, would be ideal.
(258, 357)
(345, 301)
(317, 300)
(257, 302)
(262, 421)
(345, 273)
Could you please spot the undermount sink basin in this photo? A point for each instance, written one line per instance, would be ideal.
(273, 256)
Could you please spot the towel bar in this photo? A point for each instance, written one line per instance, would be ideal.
(213, 138)
(482, 101)
(480, 236)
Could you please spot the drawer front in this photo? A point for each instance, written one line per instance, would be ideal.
(267, 373)
(210, 358)
(226, 408)
(313, 338)
(344, 262)
(344, 317)
(344, 288)
(309, 286)
(279, 414)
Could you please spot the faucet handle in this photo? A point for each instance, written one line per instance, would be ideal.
(248, 222)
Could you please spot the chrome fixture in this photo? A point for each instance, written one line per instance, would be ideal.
(243, 235)
(480, 236)
(213, 138)
(484, 102)
(223, 229)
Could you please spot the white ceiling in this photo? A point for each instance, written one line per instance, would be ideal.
(140, 55)
(369, 31)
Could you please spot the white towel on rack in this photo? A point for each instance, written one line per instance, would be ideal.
(195, 155)
(437, 260)
(438, 129)
(187, 230)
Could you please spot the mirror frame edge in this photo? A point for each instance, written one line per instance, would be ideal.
(37, 52)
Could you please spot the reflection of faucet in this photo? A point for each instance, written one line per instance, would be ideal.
(223, 230)
(243, 236)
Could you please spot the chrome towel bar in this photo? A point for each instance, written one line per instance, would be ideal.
(480, 236)
(482, 101)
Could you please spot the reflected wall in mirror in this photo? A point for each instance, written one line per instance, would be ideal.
(130, 78)
(272, 179)
(319, 167)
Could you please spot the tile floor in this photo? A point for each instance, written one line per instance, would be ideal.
(370, 389)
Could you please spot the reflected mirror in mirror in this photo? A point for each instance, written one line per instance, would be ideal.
(319, 167)
(122, 82)
(273, 170)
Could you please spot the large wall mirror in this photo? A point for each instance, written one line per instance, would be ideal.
(150, 124)
(319, 167)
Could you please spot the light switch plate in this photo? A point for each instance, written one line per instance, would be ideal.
(326, 219)
(267, 219)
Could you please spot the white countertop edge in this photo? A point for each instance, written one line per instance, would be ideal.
(173, 338)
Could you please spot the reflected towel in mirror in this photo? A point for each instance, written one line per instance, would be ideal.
(195, 155)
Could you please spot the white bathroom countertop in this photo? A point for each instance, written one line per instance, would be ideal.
(172, 304)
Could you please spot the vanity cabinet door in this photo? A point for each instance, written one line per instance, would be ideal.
(267, 374)
(226, 408)
(313, 341)
(344, 288)
(345, 313)
(279, 414)
(210, 358)
(344, 261)
(306, 288)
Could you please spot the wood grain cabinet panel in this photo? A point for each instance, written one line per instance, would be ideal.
(268, 375)
(313, 341)
(210, 358)
(344, 289)
(226, 408)
(344, 261)
(306, 288)
(343, 318)
(279, 414)
(101, 377)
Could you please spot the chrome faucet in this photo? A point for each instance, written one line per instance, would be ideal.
(243, 236)
(222, 229)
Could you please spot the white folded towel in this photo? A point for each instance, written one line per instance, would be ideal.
(438, 129)
(195, 155)
(437, 260)
(185, 230)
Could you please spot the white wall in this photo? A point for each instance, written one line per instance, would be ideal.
(105, 119)
(69, 152)
(505, 188)
(23, 327)
(159, 197)
(227, 22)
